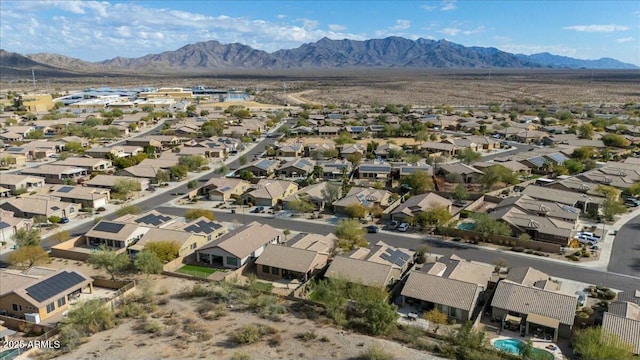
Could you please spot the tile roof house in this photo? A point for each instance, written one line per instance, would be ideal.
(417, 204)
(17, 182)
(362, 272)
(334, 169)
(269, 192)
(46, 296)
(260, 167)
(622, 319)
(581, 201)
(115, 235)
(290, 150)
(298, 168)
(451, 284)
(540, 228)
(536, 304)
(109, 181)
(188, 242)
(150, 218)
(88, 197)
(224, 189)
(469, 173)
(312, 193)
(284, 262)
(202, 226)
(30, 207)
(239, 246)
(57, 174)
(90, 164)
(368, 197)
(374, 170)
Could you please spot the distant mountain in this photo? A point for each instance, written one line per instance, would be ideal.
(557, 61)
(390, 52)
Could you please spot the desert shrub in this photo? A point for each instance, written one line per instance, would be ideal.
(199, 290)
(275, 340)
(247, 334)
(130, 309)
(307, 336)
(375, 352)
(609, 294)
(573, 258)
(152, 327)
(517, 249)
(239, 355)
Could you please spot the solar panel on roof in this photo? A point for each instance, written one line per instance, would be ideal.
(202, 226)
(396, 257)
(559, 158)
(54, 285)
(537, 161)
(153, 219)
(225, 188)
(4, 225)
(106, 226)
(65, 189)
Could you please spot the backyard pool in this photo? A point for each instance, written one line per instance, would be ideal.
(512, 346)
(467, 226)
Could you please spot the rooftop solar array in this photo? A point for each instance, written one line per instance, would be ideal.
(396, 257)
(225, 188)
(375, 168)
(65, 189)
(202, 226)
(557, 157)
(153, 219)
(110, 227)
(265, 164)
(54, 285)
(537, 161)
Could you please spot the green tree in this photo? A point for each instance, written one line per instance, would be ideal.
(355, 159)
(421, 253)
(192, 162)
(344, 138)
(162, 177)
(467, 156)
(460, 193)
(331, 193)
(583, 153)
(634, 189)
(350, 234)
(301, 205)
(194, 214)
(243, 160)
(586, 131)
(109, 260)
(573, 166)
(487, 225)
(526, 350)
(418, 182)
(380, 316)
(74, 147)
(356, 211)
(615, 140)
(435, 316)
(223, 169)
(192, 184)
(493, 175)
(61, 236)
(27, 256)
(594, 343)
(30, 237)
(435, 215)
(165, 250)
(148, 262)
(90, 317)
(178, 172)
(123, 188)
(128, 209)
(612, 207)
(54, 219)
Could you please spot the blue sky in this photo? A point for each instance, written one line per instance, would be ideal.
(98, 30)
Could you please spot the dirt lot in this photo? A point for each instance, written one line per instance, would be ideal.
(184, 333)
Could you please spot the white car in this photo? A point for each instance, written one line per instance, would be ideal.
(588, 239)
(403, 227)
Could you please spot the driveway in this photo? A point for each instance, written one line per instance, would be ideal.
(625, 253)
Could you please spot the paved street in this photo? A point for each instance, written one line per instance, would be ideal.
(556, 269)
(625, 253)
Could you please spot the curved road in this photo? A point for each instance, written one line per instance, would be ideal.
(625, 252)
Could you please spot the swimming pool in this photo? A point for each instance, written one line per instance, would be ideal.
(512, 346)
(467, 226)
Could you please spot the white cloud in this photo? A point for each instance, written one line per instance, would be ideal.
(477, 30)
(401, 24)
(597, 28)
(428, 7)
(337, 27)
(281, 16)
(448, 5)
(625, 39)
(451, 31)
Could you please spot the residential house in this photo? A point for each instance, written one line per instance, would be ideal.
(382, 253)
(438, 148)
(11, 160)
(187, 242)
(44, 297)
(235, 249)
(140, 171)
(362, 272)
(9, 225)
(619, 175)
(468, 173)
(30, 207)
(532, 301)
(90, 164)
(269, 192)
(208, 228)
(584, 202)
(463, 143)
(317, 150)
(87, 197)
(328, 130)
(290, 150)
(224, 189)
(408, 169)
(335, 169)
(298, 168)
(110, 181)
(150, 219)
(367, 197)
(156, 141)
(374, 171)
(284, 262)
(350, 149)
(622, 319)
(529, 136)
(314, 194)
(54, 174)
(418, 204)
(101, 152)
(511, 165)
(484, 142)
(17, 182)
(451, 285)
(115, 235)
(355, 130)
(260, 167)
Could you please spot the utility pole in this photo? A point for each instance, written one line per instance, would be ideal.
(33, 78)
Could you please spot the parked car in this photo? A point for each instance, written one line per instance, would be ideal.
(258, 210)
(403, 227)
(632, 202)
(372, 229)
(589, 240)
(393, 225)
(64, 220)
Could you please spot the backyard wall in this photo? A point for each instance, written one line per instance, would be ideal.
(502, 240)
(70, 250)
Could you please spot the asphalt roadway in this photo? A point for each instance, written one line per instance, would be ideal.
(626, 250)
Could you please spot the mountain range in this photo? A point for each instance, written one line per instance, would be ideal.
(390, 52)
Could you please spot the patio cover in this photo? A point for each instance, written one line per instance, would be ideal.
(543, 320)
(513, 319)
